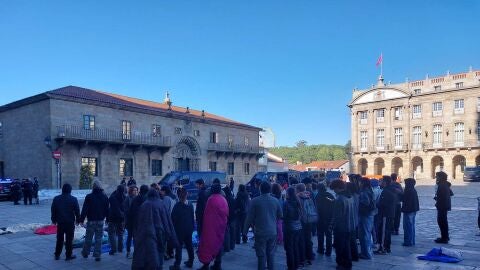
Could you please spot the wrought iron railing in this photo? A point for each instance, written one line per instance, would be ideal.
(112, 136)
(235, 148)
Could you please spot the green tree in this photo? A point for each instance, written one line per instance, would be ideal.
(86, 177)
(308, 153)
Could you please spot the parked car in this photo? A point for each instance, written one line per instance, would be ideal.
(471, 174)
(187, 180)
(5, 188)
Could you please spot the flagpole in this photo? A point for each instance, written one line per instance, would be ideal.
(381, 65)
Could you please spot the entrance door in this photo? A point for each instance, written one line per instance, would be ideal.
(183, 164)
(2, 175)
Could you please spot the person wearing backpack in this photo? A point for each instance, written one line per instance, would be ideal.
(367, 206)
(324, 202)
(241, 205)
(309, 218)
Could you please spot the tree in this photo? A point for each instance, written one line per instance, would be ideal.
(301, 143)
(86, 177)
(308, 153)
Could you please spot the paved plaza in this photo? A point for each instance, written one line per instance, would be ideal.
(25, 250)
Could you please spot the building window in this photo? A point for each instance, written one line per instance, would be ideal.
(246, 141)
(437, 87)
(230, 140)
(91, 163)
(417, 111)
(212, 166)
(126, 130)
(437, 135)
(380, 115)
(363, 140)
(417, 91)
(459, 85)
(398, 112)
(213, 137)
(437, 108)
(478, 131)
(246, 168)
(178, 130)
(459, 134)
(231, 168)
(88, 122)
(380, 138)
(459, 106)
(398, 132)
(417, 137)
(363, 115)
(196, 133)
(156, 130)
(156, 167)
(126, 167)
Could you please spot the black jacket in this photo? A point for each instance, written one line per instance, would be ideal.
(324, 203)
(366, 203)
(231, 206)
(95, 206)
(410, 202)
(116, 212)
(292, 215)
(387, 202)
(443, 196)
(65, 209)
(183, 219)
(132, 218)
(127, 203)
(201, 203)
(241, 203)
(344, 213)
(397, 188)
(27, 186)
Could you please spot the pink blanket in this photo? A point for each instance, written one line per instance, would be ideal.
(213, 229)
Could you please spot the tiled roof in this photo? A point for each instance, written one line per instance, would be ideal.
(79, 93)
(320, 164)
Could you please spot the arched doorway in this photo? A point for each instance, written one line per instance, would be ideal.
(458, 163)
(397, 166)
(417, 166)
(477, 161)
(362, 166)
(378, 166)
(186, 155)
(437, 165)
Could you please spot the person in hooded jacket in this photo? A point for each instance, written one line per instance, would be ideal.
(15, 191)
(169, 202)
(367, 206)
(306, 248)
(132, 214)
(410, 207)
(151, 236)
(398, 207)
(201, 203)
(324, 202)
(116, 220)
(127, 204)
(230, 232)
(292, 228)
(377, 191)
(386, 210)
(242, 202)
(343, 224)
(95, 209)
(443, 205)
(352, 188)
(183, 221)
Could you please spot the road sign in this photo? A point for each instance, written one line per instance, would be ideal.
(56, 154)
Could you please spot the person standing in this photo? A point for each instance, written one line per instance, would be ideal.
(183, 221)
(398, 207)
(131, 182)
(410, 207)
(367, 206)
(27, 189)
(65, 212)
(352, 188)
(95, 209)
(214, 217)
(443, 205)
(263, 215)
(292, 228)
(150, 238)
(124, 181)
(242, 202)
(343, 224)
(127, 203)
(309, 218)
(324, 203)
(201, 203)
(132, 215)
(36, 187)
(116, 220)
(277, 194)
(231, 184)
(16, 191)
(232, 219)
(386, 210)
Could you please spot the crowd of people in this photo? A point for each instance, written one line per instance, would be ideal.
(339, 213)
(26, 188)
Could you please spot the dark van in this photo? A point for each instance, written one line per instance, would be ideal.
(187, 180)
(277, 177)
(332, 175)
(471, 174)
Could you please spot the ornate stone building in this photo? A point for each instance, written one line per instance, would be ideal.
(119, 136)
(417, 128)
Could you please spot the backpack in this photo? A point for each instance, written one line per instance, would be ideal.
(310, 214)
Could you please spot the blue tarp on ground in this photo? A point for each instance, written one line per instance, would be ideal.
(437, 256)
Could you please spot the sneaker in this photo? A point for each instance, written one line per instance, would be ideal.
(69, 258)
(363, 257)
(441, 241)
(380, 252)
(98, 259)
(388, 251)
(57, 258)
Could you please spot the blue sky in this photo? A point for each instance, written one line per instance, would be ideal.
(287, 65)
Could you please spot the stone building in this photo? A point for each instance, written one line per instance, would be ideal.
(417, 128)
(119, 136)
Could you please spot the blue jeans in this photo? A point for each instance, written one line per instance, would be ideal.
(409, 229)
(365, 228)
(265, 249)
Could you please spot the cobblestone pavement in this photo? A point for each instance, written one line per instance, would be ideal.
(24, 250)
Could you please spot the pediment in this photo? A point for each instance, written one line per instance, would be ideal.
(379, 94)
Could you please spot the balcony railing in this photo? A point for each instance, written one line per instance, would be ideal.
(235, 148)
(111, 136)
